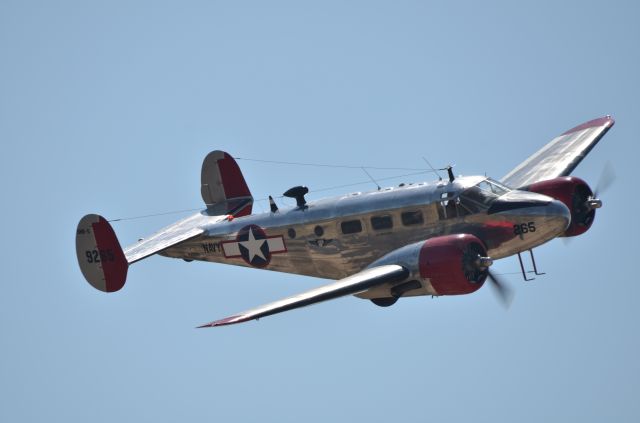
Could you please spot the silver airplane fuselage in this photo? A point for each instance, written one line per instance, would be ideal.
(337, 237)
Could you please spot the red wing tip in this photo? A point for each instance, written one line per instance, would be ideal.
(606, 121)
(207, 325)
(226, 321)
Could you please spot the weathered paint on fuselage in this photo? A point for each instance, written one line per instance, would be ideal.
(297, 246)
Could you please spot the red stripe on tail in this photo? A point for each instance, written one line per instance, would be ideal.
(114, 262)
(232, 179)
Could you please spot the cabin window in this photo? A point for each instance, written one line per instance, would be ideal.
(451, 207)
(318, 231)
(381, 222)
(412, 218)
(351, 227)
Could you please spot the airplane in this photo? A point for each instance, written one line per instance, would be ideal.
(437, 238)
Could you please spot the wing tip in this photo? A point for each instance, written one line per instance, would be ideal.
(223, 322)
(604, 121)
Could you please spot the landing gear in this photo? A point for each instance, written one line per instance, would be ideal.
(384, 302)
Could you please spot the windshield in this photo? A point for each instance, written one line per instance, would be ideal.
(480, 196)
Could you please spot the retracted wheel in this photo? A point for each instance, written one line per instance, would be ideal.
(384, 302)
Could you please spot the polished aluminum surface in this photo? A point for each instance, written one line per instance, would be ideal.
(170, 235)
(560, 156)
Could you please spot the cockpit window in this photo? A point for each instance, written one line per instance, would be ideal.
(496, 187)
(480, 196)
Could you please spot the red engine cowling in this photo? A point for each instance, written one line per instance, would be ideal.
(451, 263)
(575, 194)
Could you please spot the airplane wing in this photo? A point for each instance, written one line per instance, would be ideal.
(561, 156)
(354, 284)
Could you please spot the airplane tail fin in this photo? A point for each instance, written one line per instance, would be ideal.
(223, 188)
(100, 256)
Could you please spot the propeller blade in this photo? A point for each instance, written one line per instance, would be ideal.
(503, 292)
(607, 177)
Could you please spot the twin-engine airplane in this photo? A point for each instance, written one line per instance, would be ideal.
(437, 238)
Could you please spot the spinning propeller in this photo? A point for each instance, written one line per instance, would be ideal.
(502, 290)
(607, 178)
(585, 204)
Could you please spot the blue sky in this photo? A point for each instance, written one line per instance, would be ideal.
(110, 107)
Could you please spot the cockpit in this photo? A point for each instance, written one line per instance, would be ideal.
(480, 196)
(475, 199)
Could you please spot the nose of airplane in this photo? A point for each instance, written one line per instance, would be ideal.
(560, 214)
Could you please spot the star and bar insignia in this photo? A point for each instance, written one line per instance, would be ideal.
(254, 246)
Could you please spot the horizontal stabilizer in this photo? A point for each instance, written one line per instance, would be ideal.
(348, 286)
(103, 262)
(171, 235)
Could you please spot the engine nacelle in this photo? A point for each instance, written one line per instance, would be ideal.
(576, 195)
(450, 262)
(454, 264)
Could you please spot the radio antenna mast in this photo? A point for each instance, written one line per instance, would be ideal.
(371, 177)
(432, 168)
